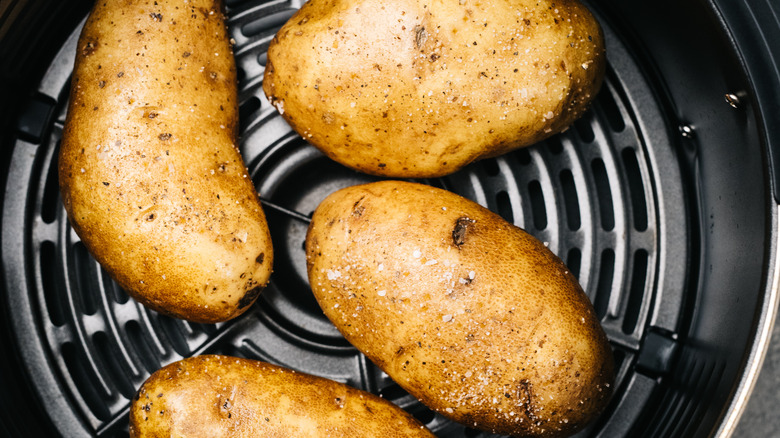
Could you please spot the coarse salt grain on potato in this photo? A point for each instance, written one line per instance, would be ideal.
(221, 396)
(476, 318)
(150, 174)
(421, 88)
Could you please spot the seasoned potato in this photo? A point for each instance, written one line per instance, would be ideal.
(222, 396)
(468, 313)
(149, 170)
(418, 88)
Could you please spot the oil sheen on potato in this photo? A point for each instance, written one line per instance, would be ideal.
(421, 88)
(149, 169)
(473, 316)
(219, 396)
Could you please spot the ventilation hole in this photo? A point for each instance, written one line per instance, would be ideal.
(618, 357)
(505, 206)
(172, 330)
(262, 59)
(636, 292)
(554, 145)
(574, 261)
(85, 381)
(86, 288)
(109, 359)
(51, 191)
(392, 392)
(611, 112)
(119, 294)
(51, 292)
(247, 109)
(584, 130)
(570, 200)
(201, 329)
(636, 189)
(523, 156)
(604, 286)
(490, 166)
(240, 75)
(604, 195)
(267, 23)
(139, 343)
(424, 415)
(537, 205)
(471, 433)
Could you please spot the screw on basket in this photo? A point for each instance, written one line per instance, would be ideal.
(733, 99)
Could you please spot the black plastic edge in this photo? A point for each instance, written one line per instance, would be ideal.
(35, 118)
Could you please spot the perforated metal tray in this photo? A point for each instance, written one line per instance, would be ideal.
(615, 196)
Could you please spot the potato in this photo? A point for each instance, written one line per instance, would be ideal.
(149, 170)
(418, 88)
(222, 396)
(468, 313)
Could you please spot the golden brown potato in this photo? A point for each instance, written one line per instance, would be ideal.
(222, 396)
(468, 313)
(149, 170)
(418, 88)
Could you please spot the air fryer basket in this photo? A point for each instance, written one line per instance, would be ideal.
(662, 200)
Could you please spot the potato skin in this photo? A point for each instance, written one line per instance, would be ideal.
(468, 313)
(149, 170)
(419, 88)
(222, 396)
